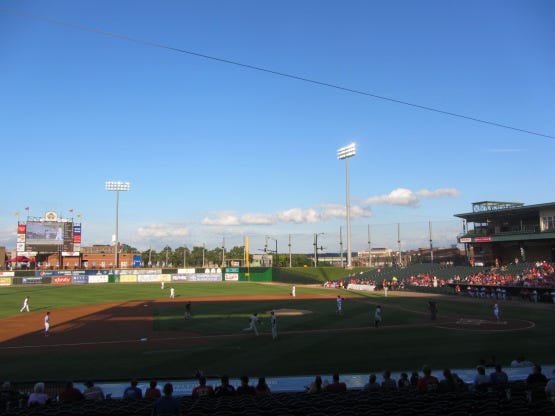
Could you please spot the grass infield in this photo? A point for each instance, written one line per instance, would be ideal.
(313, 339)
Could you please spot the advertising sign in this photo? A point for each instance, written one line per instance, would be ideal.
(98, 278)
(80, 279)
(231, 276)
(5, 281)
(31, 280)
(61, 280)
(146, 278)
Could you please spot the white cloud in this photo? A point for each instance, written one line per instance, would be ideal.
(293, 215)
(163, 231)
(407, 198)
(399, 196)
(439, 193)
(222, 219)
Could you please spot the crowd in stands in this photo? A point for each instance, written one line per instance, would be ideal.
(490, 378)
(532, 283)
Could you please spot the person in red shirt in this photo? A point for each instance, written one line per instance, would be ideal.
(70, 394)
(427, 383)
(336, 386)
(153, 392)
(202, 390)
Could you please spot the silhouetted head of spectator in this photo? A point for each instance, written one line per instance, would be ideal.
(168, 389)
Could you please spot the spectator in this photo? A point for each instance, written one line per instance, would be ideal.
(372, 384)
(414, 378)
(481, 380)
(133, 392)
(92, 392)
(70, 394)
(536, 377)
(262, 387)
(499, 378)
(153, 392)
(38, 396)
(536, 383)
(451, 382)
(8, 396)
(202, 390)
(550, 389)
(428, 383)
(388, 383)
(336, 386)
(404, 382)
(167, 404)
(315, 386)
(245, 388)
(225, 389)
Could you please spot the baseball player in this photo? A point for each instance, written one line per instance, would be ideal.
(162, 285)
(188, 310)
(25, 304)
(293, 291)
(253, 320)
(273, 321)
(172, 293)
(496, 310)
(339, 305)
(378, 316)
(47, 324)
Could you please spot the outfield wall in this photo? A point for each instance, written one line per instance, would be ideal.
(69, 277)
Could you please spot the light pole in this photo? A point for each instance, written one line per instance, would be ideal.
(345, 153)
(117, 186)
(316, 248)
(277, 258)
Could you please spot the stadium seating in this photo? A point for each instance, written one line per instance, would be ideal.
(353, 402)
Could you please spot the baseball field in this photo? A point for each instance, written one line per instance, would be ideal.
(120, 331)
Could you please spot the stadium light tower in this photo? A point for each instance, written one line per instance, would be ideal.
(117, 186)
(345, 153)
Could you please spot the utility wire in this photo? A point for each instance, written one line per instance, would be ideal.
(271, 71)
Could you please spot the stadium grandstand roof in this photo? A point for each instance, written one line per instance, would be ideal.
(492, 209)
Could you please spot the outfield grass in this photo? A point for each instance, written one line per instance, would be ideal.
(320, 342)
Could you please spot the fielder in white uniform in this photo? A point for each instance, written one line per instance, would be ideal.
(339, 305)
(172, 293)
(47, 324)
(273, 321)
(253, 320)
(496, 311)
(25, 304)
(293, 291)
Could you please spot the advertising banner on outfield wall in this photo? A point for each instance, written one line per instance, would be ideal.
(127, 278)
(7, 274)
(132, 271)
(55, 273)
(61, 280)
(34, 280)
(5, 281)
(231, 276)
(97, 272)
(197, 277)
(80, 280)
(149, 278)
(98, 278)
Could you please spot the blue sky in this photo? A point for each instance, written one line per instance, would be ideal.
(216, 151)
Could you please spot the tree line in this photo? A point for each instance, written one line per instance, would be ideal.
(200, 256)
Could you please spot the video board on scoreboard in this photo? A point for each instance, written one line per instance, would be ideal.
(49, 236)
